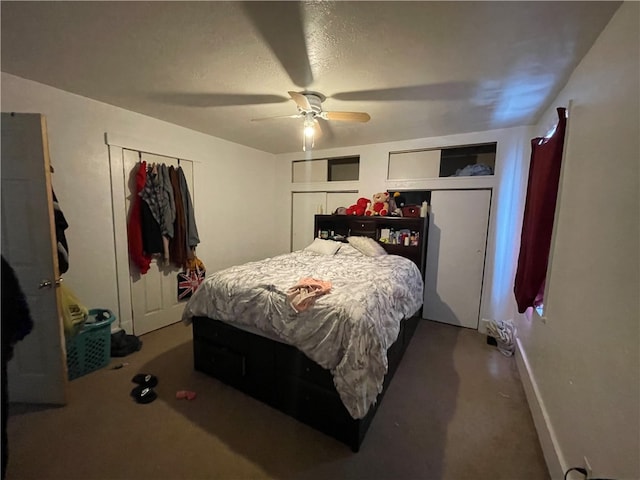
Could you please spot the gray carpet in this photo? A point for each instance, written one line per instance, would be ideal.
(455, 410)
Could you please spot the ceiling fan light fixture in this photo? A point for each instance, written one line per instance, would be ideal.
(308, 132)
(309, 105)
(309, 128)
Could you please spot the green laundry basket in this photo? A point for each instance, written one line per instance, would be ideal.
(90, 349)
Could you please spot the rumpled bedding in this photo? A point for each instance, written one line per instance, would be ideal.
(346, 331)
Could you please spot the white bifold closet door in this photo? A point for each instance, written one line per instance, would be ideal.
(154, 297)
(304, 207)
(458, 223)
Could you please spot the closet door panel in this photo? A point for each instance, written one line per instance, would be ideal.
(304, 205)
(340, 199)
(154, 295)
(310, 171)
(419, 164)
(458, 225)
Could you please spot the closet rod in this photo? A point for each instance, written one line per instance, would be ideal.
(140, 152)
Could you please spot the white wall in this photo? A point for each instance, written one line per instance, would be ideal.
(506, 209)
(228, 177)
(584, 359)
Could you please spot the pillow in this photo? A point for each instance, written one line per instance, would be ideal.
(367, 246)
(325, 247)
(347, 249)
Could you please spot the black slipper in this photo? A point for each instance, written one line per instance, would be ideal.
(142, 394)
(145, 380)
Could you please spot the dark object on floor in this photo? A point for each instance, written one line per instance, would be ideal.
(145, 380)
(492, 341)
(142, 394)
(123, 344)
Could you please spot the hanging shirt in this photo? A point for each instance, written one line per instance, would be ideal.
(178, 244)
(192, 239)
(134, 226)
(167, 201)
(152, 194)
(61, 240)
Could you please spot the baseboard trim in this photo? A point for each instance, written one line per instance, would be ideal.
(546, 435)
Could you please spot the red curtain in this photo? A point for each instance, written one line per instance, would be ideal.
(539, 210)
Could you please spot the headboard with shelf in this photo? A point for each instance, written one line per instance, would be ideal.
(339, 227)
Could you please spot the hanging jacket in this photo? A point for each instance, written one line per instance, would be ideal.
(178, 244)
(168, 201)
(152, 193)
(61, 240)
(134, 226)
(192, 239)
(152, 243)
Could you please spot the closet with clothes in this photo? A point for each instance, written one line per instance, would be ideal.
(162, 236)
(161, 221)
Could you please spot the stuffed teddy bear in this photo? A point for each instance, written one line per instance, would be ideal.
(380, 205)
(359, 207)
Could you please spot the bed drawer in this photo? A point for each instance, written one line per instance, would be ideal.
(218, 332)
(291, 361)
(220, 361)
(249, 372)
(236, 357)
(313, 405)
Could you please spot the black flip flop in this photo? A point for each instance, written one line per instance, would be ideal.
(145, 380)
(142, 394)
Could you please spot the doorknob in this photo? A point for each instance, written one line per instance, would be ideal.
(49, 283)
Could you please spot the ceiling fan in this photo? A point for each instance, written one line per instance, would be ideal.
(310, 109)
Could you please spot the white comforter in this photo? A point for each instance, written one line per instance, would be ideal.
(347, 331)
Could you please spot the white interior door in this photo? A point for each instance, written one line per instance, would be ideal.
(458, 225)
(37, 372)
(154, 298)
(304, 207)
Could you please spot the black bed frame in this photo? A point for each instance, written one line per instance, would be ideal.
(282, 376)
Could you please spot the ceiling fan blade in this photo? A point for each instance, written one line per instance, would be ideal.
(346, 116)
(324, 128)
(280, 24)
(317, 128)
(215, 99)
(277, 117)
(301, 101)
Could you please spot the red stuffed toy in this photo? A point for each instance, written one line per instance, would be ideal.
(380, 205)
(359, 208)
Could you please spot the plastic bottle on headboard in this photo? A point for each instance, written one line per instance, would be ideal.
(424, 209)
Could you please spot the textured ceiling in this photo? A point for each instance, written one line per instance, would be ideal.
(420, 69)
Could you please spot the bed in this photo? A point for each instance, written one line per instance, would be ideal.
(329, 362)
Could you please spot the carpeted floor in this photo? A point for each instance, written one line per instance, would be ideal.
(455, 410)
